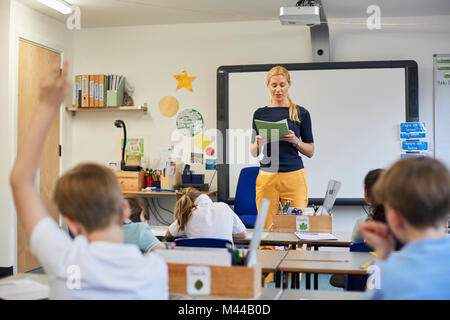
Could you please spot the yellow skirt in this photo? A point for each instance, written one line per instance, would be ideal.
(281, 187)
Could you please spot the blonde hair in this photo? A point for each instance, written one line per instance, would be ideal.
(90, 194)
(282, 71)
(185, 205)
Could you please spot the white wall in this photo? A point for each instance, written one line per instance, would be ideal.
(5, 193)
(25, 23)
(149, 56)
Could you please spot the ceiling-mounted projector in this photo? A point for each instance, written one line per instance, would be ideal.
(300, 15)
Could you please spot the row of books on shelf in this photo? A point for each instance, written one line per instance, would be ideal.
(99, 90)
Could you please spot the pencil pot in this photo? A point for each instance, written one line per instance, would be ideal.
(149, 181)
(198, 178)
(157, 184)
(186, 178)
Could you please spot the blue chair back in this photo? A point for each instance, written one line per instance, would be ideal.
(244, 201)
(203, 242)
(357, 282)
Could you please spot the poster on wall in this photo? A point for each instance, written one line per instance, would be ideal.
(134, 151)
(190, 122)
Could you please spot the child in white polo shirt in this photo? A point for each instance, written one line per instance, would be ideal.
(196, 216)
(96, 264)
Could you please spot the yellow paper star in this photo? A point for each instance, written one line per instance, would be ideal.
(184, 81)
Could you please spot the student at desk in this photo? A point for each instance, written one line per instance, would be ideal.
(416, 196)
(376, 210)
(135, 226)
(196, 216)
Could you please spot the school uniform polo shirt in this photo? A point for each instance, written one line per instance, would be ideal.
(78, 269)
(420, 271)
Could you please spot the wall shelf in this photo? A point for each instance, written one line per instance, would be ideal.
(74, 110)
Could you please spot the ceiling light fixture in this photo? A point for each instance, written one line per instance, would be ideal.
(58, 5)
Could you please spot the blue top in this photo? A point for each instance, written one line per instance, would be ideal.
(289, 157)
(419, 271)
(139, 233)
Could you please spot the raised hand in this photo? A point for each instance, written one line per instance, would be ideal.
(54, 86)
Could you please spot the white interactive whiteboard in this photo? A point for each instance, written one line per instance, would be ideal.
(442, 107)
(355, 109)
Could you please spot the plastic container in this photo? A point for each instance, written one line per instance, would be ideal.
(198, 178)
(186, 178)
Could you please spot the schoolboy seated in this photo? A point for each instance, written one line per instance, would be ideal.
(416, 196)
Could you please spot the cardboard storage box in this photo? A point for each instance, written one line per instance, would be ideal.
(288, 223)
(232, 281)
(131, 180)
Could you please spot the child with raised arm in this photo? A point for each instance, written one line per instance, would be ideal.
(96, 264)
(196, 216)
(416, 196)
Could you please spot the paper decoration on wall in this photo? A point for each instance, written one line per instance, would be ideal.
(201, 141)
(190, 122)
(168, 106)
(210, 151)
(211, 164)
(196, 157)
(184, 81)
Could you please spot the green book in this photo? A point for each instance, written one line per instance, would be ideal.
(272, 130)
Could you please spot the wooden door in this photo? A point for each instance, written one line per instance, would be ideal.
(34, 62)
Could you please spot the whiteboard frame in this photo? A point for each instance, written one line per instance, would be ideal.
(223, 72)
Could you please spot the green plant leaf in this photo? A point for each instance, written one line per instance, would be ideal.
(198, 284)
(303, 226)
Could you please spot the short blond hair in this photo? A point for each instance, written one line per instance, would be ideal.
(90, 194)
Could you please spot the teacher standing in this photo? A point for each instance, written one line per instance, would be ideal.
(282, 175)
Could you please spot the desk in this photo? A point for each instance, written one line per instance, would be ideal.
(162, 193)
(266, 294)
(39, 278)
(343, 240)
(323, 262)
(273, 239)
(320, 295)
(269, 260)
(279, 239)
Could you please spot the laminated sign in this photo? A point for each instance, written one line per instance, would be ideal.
(302, 223)
(198, 280)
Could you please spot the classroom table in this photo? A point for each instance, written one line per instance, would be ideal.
(278, 239)
(330, 262)
(343, 240)
(162, 193)
(289, 294)
(269, 260)
(40, 278)
(266, 294)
